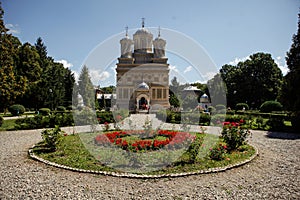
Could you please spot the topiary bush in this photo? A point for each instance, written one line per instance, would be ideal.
(16, 109)
(276, 123)
(44, 111)
(295, 120)
(269, 106)
(61, 108)
(241, 106)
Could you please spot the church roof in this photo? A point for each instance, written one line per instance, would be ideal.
(142, 31)
(143, 86)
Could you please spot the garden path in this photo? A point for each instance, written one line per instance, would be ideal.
(275, 174)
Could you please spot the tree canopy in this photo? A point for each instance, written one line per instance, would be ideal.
(254, 81)
(29, 76)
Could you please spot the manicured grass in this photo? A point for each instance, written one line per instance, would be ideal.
(71, 151)
(8, 124)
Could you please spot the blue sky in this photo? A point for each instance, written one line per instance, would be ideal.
(227, 31)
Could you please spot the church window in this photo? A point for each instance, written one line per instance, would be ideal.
(164, 93)
(159, 93)
(154, 93)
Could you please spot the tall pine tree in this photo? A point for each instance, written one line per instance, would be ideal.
(86, 88)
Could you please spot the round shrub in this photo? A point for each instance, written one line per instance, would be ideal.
(211, 109)
(1, 120)
(241, 106)
(44, 111)
(70, 107)
(16, 109)
(269, 106)
(220, 107)
(61, 108)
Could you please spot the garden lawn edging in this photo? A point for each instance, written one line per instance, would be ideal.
(141, 176)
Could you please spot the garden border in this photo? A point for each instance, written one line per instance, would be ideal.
(141, 176)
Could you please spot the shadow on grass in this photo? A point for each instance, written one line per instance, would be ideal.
(282, 135)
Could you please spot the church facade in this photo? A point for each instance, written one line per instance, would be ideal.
(142, 72)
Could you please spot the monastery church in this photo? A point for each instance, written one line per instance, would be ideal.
(142, 72)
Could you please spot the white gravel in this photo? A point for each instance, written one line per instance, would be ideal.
(275, 174)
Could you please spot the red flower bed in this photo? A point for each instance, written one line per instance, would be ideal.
(173, 139)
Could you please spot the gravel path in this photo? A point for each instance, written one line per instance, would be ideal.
(275, 174)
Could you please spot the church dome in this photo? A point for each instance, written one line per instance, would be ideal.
(143, 86)
(142, 31)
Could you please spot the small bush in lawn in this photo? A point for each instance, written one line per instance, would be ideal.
(220, 107)
(218, 152)
(295, 120)
(1, 120)
(241, 106)
(211, 109)
(44, 111)
(234, 134)
(16, 109)
(61, 108)
(269, 106)
(51, 137)
(276, 123)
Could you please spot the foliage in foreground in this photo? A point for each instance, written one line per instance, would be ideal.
(51, 137)
(71, 152)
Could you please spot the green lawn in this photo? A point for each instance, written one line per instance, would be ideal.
(72, 152)
(8, 124)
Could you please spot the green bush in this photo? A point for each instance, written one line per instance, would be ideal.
(61, 108)
(241, 106)
(269, 106)
(16, 109)
(234, 134)
(295, 120)
(47, 121)
(276, 123)
(1, 120)
(218, 152)
(211, 109)
(105, 117)
(220, 107)
(218, 118)
(51, 137)
(44, 111)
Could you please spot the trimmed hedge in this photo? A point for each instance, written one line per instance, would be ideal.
(46, 121)
(269, 106)
(16, 109)
(241, 106)
(61, 108)
(44, 111)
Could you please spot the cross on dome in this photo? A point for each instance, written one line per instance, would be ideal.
(143, 22)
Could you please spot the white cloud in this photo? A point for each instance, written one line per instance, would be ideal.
(284, 69)
(173, 68)
(13, 28)
(104, 75)
(98, 75)
(187, 69)
(65, 63)
(237, 60)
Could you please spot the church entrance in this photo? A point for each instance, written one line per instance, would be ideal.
(143, 103)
